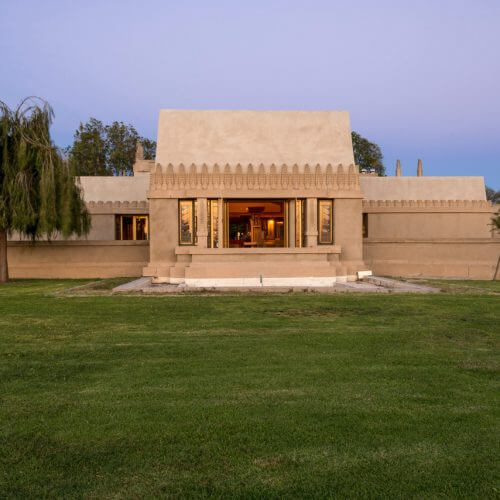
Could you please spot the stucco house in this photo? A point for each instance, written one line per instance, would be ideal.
(268, 198)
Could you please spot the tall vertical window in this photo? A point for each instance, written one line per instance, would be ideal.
(365, 225)
(132, 227)
(187, 222)
(325, 222)
(213, 224)
(300, 223)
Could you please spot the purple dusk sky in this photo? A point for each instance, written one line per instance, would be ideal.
(420, 78)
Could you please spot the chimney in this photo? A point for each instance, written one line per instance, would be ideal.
(420, 171)
(139, 151)
(398, 168)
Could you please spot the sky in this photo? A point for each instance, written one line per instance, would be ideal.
(419, 78)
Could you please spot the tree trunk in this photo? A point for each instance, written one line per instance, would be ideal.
(4, 269)
(496, 270)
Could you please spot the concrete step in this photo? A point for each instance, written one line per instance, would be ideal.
(132, 286)
(397, 285)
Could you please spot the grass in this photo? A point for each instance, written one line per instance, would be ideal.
(276, 396)
(462, 286)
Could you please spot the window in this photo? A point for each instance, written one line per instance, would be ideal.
(213, 224)
(256, 223)
(325, 222)
(132, 227)
(300, 223)
(365, 225)
(187, 220)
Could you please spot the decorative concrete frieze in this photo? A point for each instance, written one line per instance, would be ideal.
(174, 181)
(427, 206)
(115, 207)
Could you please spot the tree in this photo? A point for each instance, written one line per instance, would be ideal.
(495, 222)
(107, 149)
(88, 152)
(149, 148)
(367, 155)
(492, 195)
(121, 143)
(495, 228)
(38, 193)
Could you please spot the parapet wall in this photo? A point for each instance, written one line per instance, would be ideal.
(114, 188)
(373, 206)
(118, 207)
(422, 188)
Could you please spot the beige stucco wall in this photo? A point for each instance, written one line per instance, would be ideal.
(216, 136)
(164, 236)
(133, 188)
(422, 188)
(429, 225)
(103, 228)
(77, 259)
(471, 259)
(348, 233)
(439, 243)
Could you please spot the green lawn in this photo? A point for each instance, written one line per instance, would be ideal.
(274, 396)
(461, 286)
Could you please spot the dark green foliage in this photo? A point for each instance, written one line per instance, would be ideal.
(121, 143)
(100, 149)
(279, 396)
(88, 153)
(492, 195)
(367, 154)
(495, 222)
(38, 193)
(149, 148)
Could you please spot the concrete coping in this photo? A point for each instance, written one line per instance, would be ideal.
(191, 250)
(111, 243)
(480, 241)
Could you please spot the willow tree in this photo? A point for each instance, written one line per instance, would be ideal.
(38, 193)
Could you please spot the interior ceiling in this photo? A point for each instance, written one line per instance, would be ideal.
(241, 207)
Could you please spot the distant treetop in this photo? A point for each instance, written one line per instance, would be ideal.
(367, 155)
(100, 149)
(492, 195)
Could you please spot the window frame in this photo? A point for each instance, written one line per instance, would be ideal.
(213, 238)
(119, 226)
(320, 202)
(300, 222)
(193, 221)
